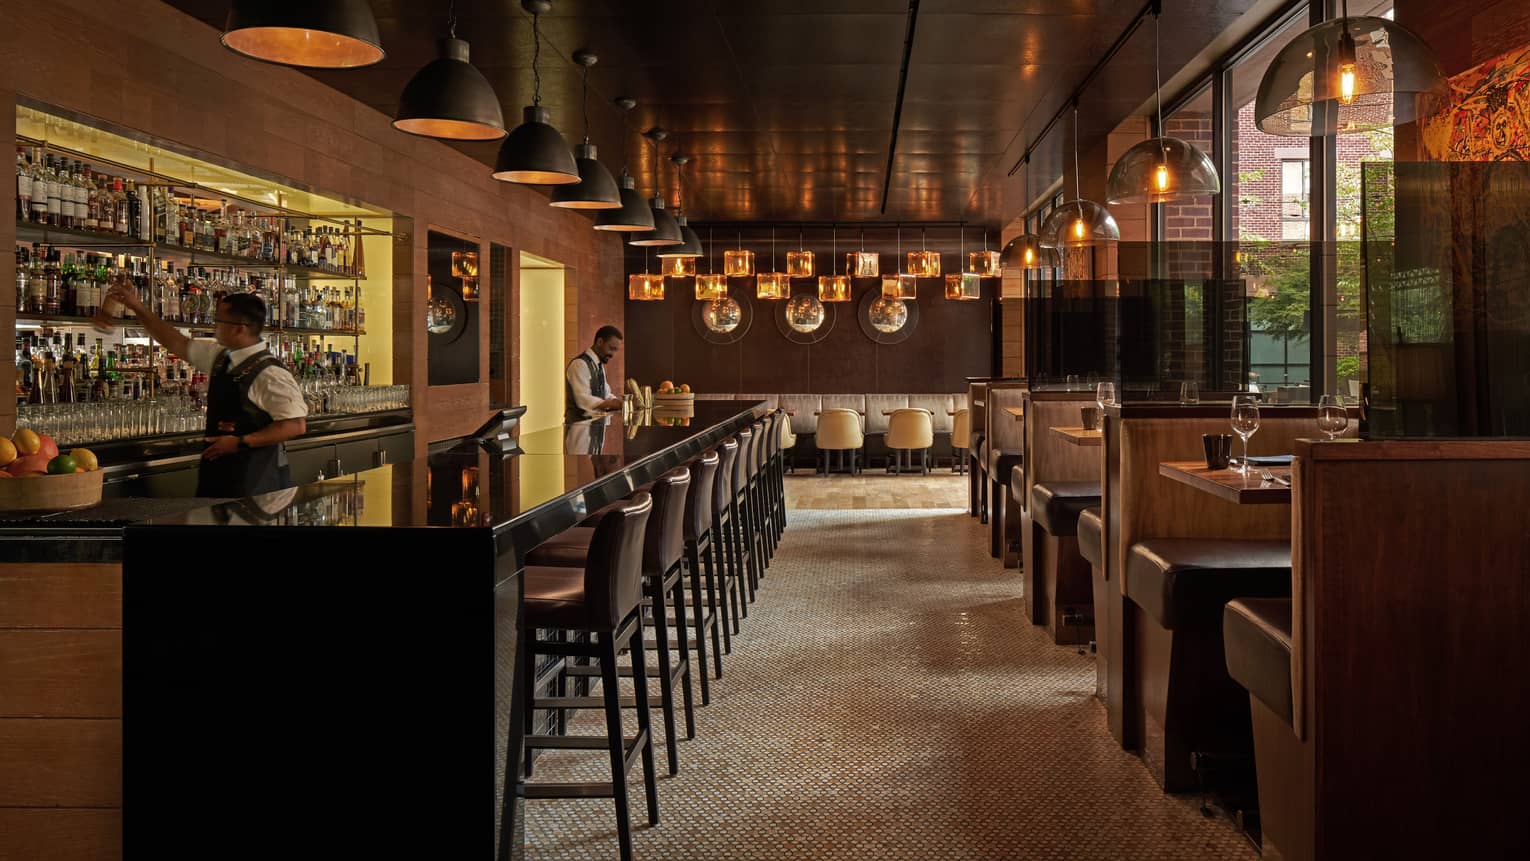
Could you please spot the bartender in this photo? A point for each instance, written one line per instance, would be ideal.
(253, 403)
(585, 388)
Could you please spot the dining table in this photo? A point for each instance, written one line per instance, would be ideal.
(1231, 485)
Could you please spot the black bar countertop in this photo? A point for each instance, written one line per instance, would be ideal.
(549, 480)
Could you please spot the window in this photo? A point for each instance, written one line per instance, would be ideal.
(1295, 181)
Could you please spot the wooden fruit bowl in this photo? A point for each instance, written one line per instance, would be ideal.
(684, 398)
(51, 492)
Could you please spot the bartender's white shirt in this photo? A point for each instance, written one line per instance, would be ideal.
(578, 376)
(273, 390)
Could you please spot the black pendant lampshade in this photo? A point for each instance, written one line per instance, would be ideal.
(535, 153)
(666, 231)
(634, 214)
(314, 34)
(449, 98)
(596, 188)
(690, 243)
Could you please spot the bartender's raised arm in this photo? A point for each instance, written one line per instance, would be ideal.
(174, 339)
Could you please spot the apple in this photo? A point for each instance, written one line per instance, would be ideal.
(35, 464)
(47, 446)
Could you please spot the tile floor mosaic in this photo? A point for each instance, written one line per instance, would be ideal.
(885, 701)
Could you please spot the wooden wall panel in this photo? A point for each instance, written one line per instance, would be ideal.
(39, 834)
(60, 763)
(60, 596)
(61, 673)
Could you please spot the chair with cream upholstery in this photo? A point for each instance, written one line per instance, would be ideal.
(911, 429)
(961, 431)
(839, 430)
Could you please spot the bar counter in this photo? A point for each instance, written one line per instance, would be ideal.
(317, 658)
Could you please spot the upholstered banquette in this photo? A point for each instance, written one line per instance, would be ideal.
(804, 421)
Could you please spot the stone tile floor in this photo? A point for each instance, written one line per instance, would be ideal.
(886, 700)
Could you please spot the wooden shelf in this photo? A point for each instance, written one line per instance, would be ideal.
(28, 233)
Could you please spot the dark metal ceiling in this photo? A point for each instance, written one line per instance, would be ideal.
(787, 106)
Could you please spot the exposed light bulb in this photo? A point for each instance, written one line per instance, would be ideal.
(1030, 256)
(1347, 83)
(1078, 228)
(1161, 177)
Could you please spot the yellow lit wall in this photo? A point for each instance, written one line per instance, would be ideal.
(542, 363)
(376, 348)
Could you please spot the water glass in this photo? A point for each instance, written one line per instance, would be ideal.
(1105, 395)
(1072, 382)
(1333, 418)
(1189, 392)
(1245, 421)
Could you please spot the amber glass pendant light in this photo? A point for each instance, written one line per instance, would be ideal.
(738, 263)
(923, 263)
(645, 287)
(711, 285)
(964, 286)
(904, 285)
(985, 263)
(1079, 223)
(677, 267)
(772, 285)
(833, 288)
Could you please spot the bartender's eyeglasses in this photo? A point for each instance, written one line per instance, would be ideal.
(227, 322)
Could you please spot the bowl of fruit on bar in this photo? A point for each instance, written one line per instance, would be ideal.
(668, 391)
(36, 476)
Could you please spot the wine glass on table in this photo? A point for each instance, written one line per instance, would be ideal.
(1245, 421)
(1105, 395)
(1333, 418)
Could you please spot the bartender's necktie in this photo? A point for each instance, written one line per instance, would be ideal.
(598, 383)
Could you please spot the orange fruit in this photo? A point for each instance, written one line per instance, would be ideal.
(666, 386)
(85, 458)
(27, 441)
(7, 451)
(685, 388)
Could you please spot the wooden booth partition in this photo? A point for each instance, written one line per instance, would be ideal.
(1003, 433)
(60, 711)
(1411, 647)
(1056, 577)
(1138, 504)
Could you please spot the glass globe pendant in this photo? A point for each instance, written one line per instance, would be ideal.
(1079, 223)
(804, 313)
(722, 315)
(1347, 76)
(887, 315)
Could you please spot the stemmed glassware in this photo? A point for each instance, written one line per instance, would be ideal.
(1105, 395)
(1245, 421)
(1333, 419)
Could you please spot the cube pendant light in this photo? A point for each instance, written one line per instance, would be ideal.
(902, 286)
(833, 288)
(772, 285)
(677, 267)
(985, 264)
(643, 287)
(799, 264)
(738, 263)
(964, 287)
(862, 264)
(924, 264)
(711, 286)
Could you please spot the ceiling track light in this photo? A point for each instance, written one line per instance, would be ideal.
(1347, 76)
(314, 34)
(666, 231)
(634, 214)
(448, 97)
(536, 153)
(1161, 169)
(596, 188)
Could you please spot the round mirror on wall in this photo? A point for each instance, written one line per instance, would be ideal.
(722, 321)
(886, 320)
(803, 319)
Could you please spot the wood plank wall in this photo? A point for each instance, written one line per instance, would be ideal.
(60, 711)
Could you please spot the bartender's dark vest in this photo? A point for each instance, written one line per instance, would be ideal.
(230, 411)
(572, 412)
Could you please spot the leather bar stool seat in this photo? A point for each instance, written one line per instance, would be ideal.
(1091, 533)
(1187, 581)
(568, 548)
(555, 595)
(1256, 633)
(1056, 505)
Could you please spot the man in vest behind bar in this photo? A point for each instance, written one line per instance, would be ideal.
(253, 403)
(585, 386)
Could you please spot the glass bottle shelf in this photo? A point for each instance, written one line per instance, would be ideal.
(28, 233)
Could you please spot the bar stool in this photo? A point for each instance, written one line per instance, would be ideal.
(961, 435)
(909, 429)
(743, 517)
(699, 546)
(769, 481)
(726, 549)
(603, 601)
(761, 514)
(663, 552)
(786, 441)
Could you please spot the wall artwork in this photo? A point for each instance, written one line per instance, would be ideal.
(1488, 116)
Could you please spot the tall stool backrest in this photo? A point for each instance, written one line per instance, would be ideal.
(757, 452)
(613, 570)
(698, 499)
(722, 488)
(961, 429)
(664, 541)
(772, 435)
(741, 464)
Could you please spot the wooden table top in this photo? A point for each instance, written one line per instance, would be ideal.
(1017, 412)
(1229, 484)
(858, 412)
(1081, 436)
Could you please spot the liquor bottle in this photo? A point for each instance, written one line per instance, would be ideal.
(119, 208)
(134, 210)
(160, 204)
(39, 190)
(37, 284)
(23, 263)
(80, 192)
(23, 186)
(52, 283)
(69, 179)
(145, 230)
(67, 288)
(186, 235)
(54, 209)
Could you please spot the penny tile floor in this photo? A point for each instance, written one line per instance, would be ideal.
(886, 700)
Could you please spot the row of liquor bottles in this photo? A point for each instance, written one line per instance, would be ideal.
(53, 191)
(52, 282)
(58, 368)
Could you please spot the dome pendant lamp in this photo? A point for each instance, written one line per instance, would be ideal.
(1347, 76)
(449, 98)
(634, 215)
(1079, 223)
(690, 243)
(1027, 252)
(535, 153)
(666, 231)
(312, 34)
(596, 188)
(1161, 169)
